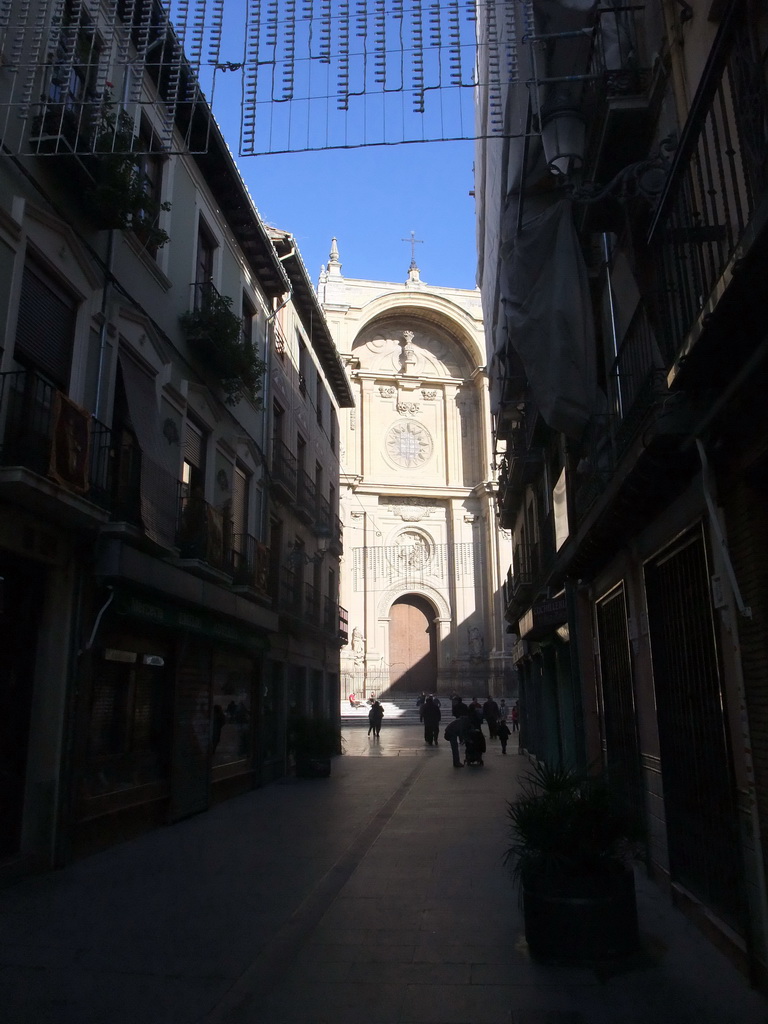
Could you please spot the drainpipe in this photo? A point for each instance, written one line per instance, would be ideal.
(103, 324)
(614, 332)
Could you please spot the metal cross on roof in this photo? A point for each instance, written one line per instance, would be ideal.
(414, 242)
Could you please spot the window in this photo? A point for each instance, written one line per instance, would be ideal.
(333, 429)
(45, 329)
(149, 167)
(193, 466)
(75, 70)
(248, 315)
(319, 399)
(301, 453)
(303, 368)
(206, 248)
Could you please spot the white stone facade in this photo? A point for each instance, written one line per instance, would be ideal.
(420, 530)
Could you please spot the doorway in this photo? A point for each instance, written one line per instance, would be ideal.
(412, 645)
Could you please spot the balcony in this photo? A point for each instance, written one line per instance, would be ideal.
(250, 565)
(145, 498)
(289, 596)
(312, 605)
(306, 499)
(618, 97)
(323, 518)
(204, 538)
(283, 473)
(56, 459)
(709, 236)
(336, 546)
(343, 625)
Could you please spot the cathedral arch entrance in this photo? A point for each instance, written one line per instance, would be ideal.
(412, 645)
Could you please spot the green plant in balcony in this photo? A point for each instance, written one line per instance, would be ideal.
(215, 334)
(119, 195)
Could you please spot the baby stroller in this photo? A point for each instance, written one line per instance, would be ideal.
(474, 746)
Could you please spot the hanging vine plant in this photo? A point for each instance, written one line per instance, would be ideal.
(215, 335)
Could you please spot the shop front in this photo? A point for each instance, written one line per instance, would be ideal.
(169, 717)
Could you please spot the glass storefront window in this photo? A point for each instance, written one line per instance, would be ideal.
(130, 718)
(231, 721)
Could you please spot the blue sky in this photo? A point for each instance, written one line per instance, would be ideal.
(368, 198)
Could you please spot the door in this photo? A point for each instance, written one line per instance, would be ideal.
(412, 645)
(697, 776)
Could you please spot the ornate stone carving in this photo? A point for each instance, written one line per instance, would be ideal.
(387, 392)
(429, 395)
(409, 444)
(408, 357)
(404, 408)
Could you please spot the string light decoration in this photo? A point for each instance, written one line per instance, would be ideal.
(79, 73)
(336, 74)
(314, 74)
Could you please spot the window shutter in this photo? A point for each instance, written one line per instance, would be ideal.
(194, 448)
(46, 327)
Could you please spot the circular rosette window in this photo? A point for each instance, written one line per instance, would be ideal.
(408, 444)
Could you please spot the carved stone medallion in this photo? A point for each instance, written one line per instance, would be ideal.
(408, 444)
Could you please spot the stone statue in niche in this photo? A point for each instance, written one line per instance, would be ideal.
(358, 644)
(476, 644)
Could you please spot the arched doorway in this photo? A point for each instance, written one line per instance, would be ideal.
(412, 645)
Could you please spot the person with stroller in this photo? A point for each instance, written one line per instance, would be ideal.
(454, 733)
(430, 716)
(474, 741)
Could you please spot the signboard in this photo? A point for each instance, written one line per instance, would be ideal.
(544, 617)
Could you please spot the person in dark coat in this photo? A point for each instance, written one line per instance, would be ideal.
(430, 716)
(375, 716)
(459, 708)
(454, 733)
(504, 734)
(491, 715)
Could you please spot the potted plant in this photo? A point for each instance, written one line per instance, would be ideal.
(572, 843)
(215, 333)
(119, 197)
(313, 742)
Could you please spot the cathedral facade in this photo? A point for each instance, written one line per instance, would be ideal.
(420, 574)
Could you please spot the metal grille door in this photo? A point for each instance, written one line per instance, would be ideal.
(699, 790)
(621, 748)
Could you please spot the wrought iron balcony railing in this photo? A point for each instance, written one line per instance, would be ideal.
(284, 470)
(250, 563)
(323, 517)
(203, 533)
(343, 624)
(42, 430)
(306, 502)
(719, 175)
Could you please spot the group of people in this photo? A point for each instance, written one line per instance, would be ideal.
(466, 727)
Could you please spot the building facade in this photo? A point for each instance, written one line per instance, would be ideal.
(146, 657)
(420, 573)
(621, 264)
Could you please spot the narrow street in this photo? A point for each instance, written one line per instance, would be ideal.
(377, 896)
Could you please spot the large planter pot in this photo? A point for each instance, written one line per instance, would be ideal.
(589, 920)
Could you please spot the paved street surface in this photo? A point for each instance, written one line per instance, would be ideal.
(374, 897)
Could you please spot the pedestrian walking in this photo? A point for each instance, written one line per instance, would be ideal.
(491, 715)
(459, 708)
(504, 734)
(454, 733)
(430, 716)
(503, 710)
(515, 717)
(375, 716)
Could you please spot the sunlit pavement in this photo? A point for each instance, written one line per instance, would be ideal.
(377, 896)
(408, 741)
